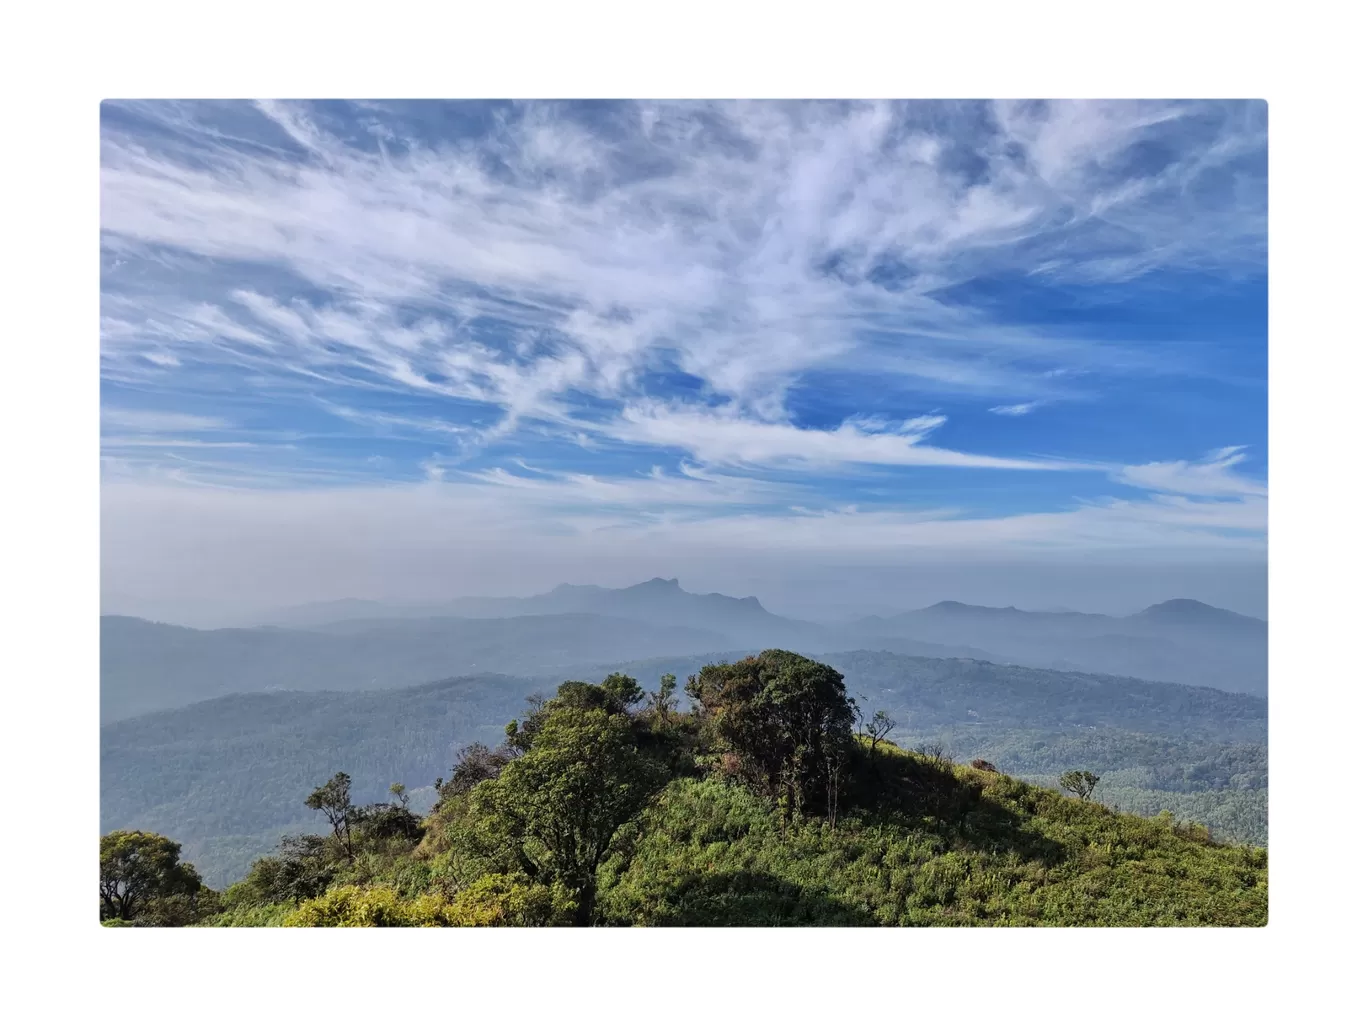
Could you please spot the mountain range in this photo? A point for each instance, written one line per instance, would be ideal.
(357, 645)
(1181, 640)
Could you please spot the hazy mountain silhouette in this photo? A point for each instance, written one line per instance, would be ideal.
(658, 601)
(1181, 640)
(358, 644)
(146, 666)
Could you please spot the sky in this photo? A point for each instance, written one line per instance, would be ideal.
(847, 357)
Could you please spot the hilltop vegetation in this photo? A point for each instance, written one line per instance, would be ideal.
(224, 777)
(773, 803)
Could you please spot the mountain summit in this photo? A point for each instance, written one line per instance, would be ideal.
(1191, 613)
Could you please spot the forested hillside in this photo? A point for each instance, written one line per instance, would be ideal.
(777, 801)
(224, 776)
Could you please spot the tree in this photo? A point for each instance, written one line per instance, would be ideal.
(475, 764)
(376, 825)
(138, 869)
(400, 793)
(518, 738)
(182, 909)
(333, 799)
(300, 870)
(662, 700)
(787, 720)
(622, 690)
(1079, 782)
(559, 808)
(617, 694)
(876, 730)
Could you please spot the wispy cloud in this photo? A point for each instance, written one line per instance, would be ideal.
(745, 244)
(157, 421)
(675, 324)
(1016, 409)
(1210, 476)
(728, 438)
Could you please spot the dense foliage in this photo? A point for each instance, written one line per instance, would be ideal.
(605, 805)
(225, 777)
(784, 724)
(143, 881)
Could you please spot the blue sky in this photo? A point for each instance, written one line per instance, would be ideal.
(385, 348)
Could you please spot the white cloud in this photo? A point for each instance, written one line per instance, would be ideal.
(748, 248)
(157, 421)
(723, 437)
(716, 261)
(1015, 410)
(111, 444)
(1211, 476)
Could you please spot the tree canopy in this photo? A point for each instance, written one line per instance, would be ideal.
(138, 870)
(784, 720)
(560, 806)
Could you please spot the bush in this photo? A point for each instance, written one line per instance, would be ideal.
(508, 900)
(493, 900)
(352, 906)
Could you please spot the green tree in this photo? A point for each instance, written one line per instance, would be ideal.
(787, 719)
(333, 799)
(400, 793)
(138, 869)
(1079, 782)
(183, 909)
(558, 810)
(301, 869)
(622, 690)
(662, 699)
(617, 694)
(474, 764)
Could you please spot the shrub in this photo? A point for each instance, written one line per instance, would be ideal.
(352, 906)
(509, 900)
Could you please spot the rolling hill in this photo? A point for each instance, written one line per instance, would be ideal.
(227, 776)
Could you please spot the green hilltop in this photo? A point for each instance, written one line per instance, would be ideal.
(774, 803)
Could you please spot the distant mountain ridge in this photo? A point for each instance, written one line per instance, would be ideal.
(356, 644)
(1190, 611)
(1181, 640)
(659, 600)
(148, 666)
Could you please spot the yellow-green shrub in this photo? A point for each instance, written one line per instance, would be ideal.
(352, 906)
(493, 900)
(503, 900)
